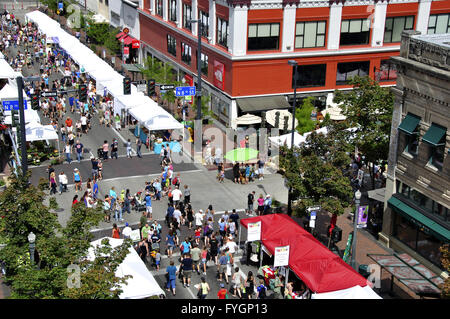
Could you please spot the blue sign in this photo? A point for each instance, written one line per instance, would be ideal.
(14, 104)
(60, 6)
(185, 90)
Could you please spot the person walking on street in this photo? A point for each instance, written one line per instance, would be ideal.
(148, 205)
(203, 289)
(223, 292)
(68, 151)
(171, 273)
(79, 150)
(196, 256)
(237, 283)
(105, 149)
(115, 231)
(53, 183)
(114, 148)
(187, 267)
(62, 182)
(260, 164)
(77, 179)
(129, 148)
(187, 195)
(250, 201)
(126, 231)
(138, 147)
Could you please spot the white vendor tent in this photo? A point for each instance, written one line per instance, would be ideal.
(163, 122)
(30, 116)
(37, 132)
(356, 292)
(287, 138)
(6, 71)
(142, 284)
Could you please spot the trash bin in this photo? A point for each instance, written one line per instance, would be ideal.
(364, 270)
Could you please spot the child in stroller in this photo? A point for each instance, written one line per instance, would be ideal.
(138, 202)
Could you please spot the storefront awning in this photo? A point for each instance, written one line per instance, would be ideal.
(419, 218)
(409, 123)
(120, 34)
(434, 135)
(127, 40)
(123, 36)
(265, 103)
(421, 280)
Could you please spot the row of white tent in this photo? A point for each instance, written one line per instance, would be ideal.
(299, 139)
(154, 118)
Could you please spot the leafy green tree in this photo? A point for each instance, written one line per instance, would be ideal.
(303, 116)
(23, 211)
(315, 172)
(369, 108)
(98, 32)
(111, 42)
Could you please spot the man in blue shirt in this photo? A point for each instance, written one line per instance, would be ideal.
(148, 205)
(171, 277)
(113, 196)
(158, 189)
(95, 189)
(186, 246)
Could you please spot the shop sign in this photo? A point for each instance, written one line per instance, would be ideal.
(135, 44)
(126, 51)
(219, 75)
(126, 30)
(254, 231)
(281, 256)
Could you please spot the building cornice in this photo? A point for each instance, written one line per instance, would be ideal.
(270, 56)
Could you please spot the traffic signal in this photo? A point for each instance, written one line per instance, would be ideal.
(126, 86)
(82, 93)
(15, 118)
(151, 87)
(34, 101)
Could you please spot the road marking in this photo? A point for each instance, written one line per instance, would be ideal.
(123, 139)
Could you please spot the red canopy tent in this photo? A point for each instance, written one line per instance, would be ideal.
(319, 268)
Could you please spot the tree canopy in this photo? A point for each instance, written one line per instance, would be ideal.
(57, 248)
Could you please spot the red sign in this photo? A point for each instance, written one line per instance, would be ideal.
(126, 50)
(219, 75)
(190, 80)
(126, 30)
(135, 44)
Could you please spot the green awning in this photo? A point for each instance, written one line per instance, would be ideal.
(409, 123)
(419, 218)
(434, 135)
(264, 103)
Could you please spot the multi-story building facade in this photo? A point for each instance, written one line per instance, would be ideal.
(417, 203)
(246, 44)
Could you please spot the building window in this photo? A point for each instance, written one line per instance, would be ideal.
(437, 156)
(355, 32)
(394, 27)
(204, 63)
(264, 36)
(345, 71)
(412, 143)
(171, 45)
(418, 238)
(310, 34)
(186, 52)
(222, 32)
(187, 16)
(172, 10)
(159, 7)
(439, 23)
(388, 71)
(204, 18)
(311, 75)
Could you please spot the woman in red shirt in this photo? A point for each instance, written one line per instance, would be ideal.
(115, 231)
(75, 200)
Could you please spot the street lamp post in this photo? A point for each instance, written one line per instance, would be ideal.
(198, 124)
(355, 228)
(31, 240)
(294, 64)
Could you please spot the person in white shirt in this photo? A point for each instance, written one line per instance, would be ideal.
(177, 215)
(126, 232)
(232, 246)
(62, 179)
(83, 120)
(176, 196)
(199, 218)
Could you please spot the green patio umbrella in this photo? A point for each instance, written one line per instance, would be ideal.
(241, 154)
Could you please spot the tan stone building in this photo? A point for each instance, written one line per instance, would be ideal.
(417, 204)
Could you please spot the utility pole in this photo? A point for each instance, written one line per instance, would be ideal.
(23, 137)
